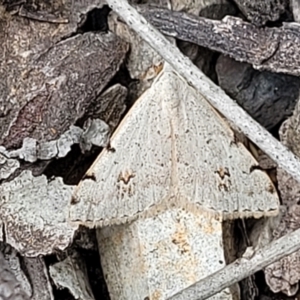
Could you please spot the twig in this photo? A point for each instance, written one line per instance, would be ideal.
(272, 49)
(214, 94)
(241, 268)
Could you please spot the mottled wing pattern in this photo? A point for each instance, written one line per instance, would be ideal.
(136, 175)
(172, 149)
(213, 171)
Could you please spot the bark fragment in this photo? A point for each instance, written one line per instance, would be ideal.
(295, 6)
(33, 212)
(109, 106)
(269, 98)
(270, 49)
(13, 261)
(210, 9)
(284, 275)
(71, 273)
(7, 165)
(37, 272)
(142, 261)
(259, 12)
(51, 78)
(10, 287)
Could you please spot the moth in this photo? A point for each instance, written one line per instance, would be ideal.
(172, 150)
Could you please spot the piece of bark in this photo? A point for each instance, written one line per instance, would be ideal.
(109, 106)
(295, 6)
(37, 272)
(55, 105)
(284, 275)
(31, 273)
(14, 262)
(33, 211)
(33, 150)
(10, 288)
(265, 162)
(71, 273)
(96, 132)
(159, 3)
(289, 188)
(7, 165)
(269, 98)
(69, 13)
(85, 243)
(41, 153)
(260, 12)
(156, 257)
(208, 9)
(290, 131)
(51, 78)
(268, 49)
(105, 106)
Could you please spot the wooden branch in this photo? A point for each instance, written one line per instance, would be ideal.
(241, 268)
(272, 49)
(211, 92)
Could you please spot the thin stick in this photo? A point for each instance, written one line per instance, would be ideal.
(233, 37)
(241, 268)
(214, 94)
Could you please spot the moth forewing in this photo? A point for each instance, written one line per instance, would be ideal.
(172, 149)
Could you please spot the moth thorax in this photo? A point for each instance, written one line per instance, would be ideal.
(171, 105)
